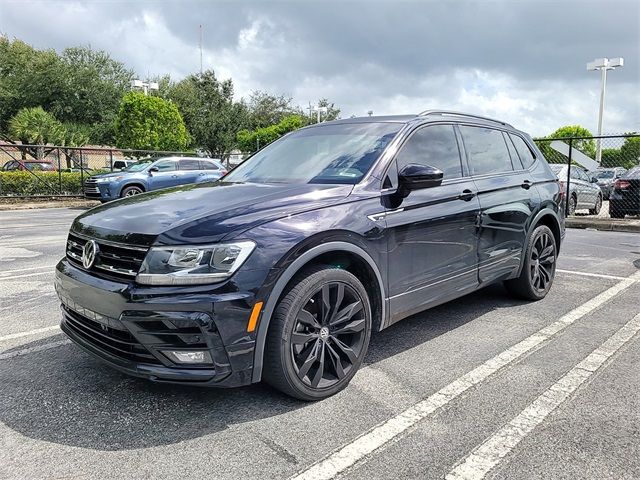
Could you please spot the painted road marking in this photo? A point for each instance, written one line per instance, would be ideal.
(14, 227)
(587, 274)
(43, 267)
(29, 333)
(493, 450)
(375, 438)
(47, 272)
(39, 348)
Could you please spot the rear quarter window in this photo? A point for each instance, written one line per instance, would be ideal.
(524, 152)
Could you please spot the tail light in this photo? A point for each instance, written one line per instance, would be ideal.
(621, 184)
(224, 172)
(563, 188)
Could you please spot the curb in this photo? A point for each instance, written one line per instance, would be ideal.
(609, 225)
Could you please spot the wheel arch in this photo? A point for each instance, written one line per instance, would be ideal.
(332, 253)
(547, 217)
(132, 184)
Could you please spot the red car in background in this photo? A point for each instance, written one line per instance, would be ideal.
(30, 165)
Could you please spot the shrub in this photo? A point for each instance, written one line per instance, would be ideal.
(20, 183)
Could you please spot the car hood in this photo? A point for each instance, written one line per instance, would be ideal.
(110, 175)
(202, 213)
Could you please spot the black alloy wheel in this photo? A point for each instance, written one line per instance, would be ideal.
(328, 335)
(542, 263)
(319, 334)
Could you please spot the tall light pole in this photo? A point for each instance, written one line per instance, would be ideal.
(603, 64)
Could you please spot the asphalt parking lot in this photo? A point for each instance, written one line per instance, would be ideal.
(483, 386)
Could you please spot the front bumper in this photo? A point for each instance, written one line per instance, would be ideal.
(129, 327)
(100, 191)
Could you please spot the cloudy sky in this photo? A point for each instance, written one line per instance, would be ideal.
(522, 61)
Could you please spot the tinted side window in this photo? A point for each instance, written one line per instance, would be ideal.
(208, 165)
(574, 174)
(188, 164)
(487, 150)
(436, 146)
(524, 152)
(583, 176)
(166, 166)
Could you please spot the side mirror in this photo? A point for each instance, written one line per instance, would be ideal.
(594, 180)
(153, 169)
(416, 177)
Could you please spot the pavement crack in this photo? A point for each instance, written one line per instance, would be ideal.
(278, 449)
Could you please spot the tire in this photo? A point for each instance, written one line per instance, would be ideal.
(539, 267)
(311, 354)
(572, 206)
(131, 191)
(613, 213)
(596, 209)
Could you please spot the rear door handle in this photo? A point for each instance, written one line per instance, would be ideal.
(526, 184)
(466, 195)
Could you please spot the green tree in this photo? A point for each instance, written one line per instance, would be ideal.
(75, 135)
(150, 123)
(34, 126)
(211, 115)
(249, 141)
(265, 109)
(588, 147)
(630, 152)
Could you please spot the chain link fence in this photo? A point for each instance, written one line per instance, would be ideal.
(609, 188)
(55, 171)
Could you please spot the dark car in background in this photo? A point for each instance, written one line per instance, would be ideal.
(284, 269)
(606, 178)
(152, 174)
(625, 196)
(584, 192)
(30, 165)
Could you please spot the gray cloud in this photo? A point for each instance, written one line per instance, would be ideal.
(521, 60)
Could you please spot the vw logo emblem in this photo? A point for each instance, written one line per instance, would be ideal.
(89, 254)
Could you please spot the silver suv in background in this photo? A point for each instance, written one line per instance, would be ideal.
(584, 192)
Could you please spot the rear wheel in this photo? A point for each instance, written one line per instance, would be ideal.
(319, 334)
(572, 206)
(539, 267)
(596, 209)
(131, 191)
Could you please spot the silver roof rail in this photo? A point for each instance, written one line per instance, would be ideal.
(426, 113)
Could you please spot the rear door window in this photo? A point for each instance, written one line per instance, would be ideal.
(436, 146)
(486, 149)
(189, 164)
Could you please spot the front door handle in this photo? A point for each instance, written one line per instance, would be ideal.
(466, 195)
(526, 184)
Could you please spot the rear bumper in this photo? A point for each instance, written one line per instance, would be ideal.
(130, 327)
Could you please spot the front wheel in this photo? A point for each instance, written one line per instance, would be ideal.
(131, 191)
(319, 334)
(539, 266)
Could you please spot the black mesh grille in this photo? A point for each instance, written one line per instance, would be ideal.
(116, 342)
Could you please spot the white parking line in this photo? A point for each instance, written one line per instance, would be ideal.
(42, 267)
(29, 333)
(491, 452)
(367, 443)
(46, 272)
(39, 348)
(587, 274)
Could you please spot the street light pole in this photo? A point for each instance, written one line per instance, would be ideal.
(603, 64)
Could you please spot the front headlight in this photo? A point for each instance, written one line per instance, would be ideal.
(108, 179)
(193, 265)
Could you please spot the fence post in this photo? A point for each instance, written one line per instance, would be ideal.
(59, 173)
(81, 173)
(566, 206)
(111, 160)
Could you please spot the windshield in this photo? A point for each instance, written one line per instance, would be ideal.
(605, 174)
(338, 153)
(556, 167)
(139, 166)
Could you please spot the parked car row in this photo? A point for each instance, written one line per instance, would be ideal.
(584, 192)
(152, 174)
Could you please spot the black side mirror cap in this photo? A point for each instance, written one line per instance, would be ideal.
(153, 169)
(415, 177)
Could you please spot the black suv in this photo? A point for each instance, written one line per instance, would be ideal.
(284, 269)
